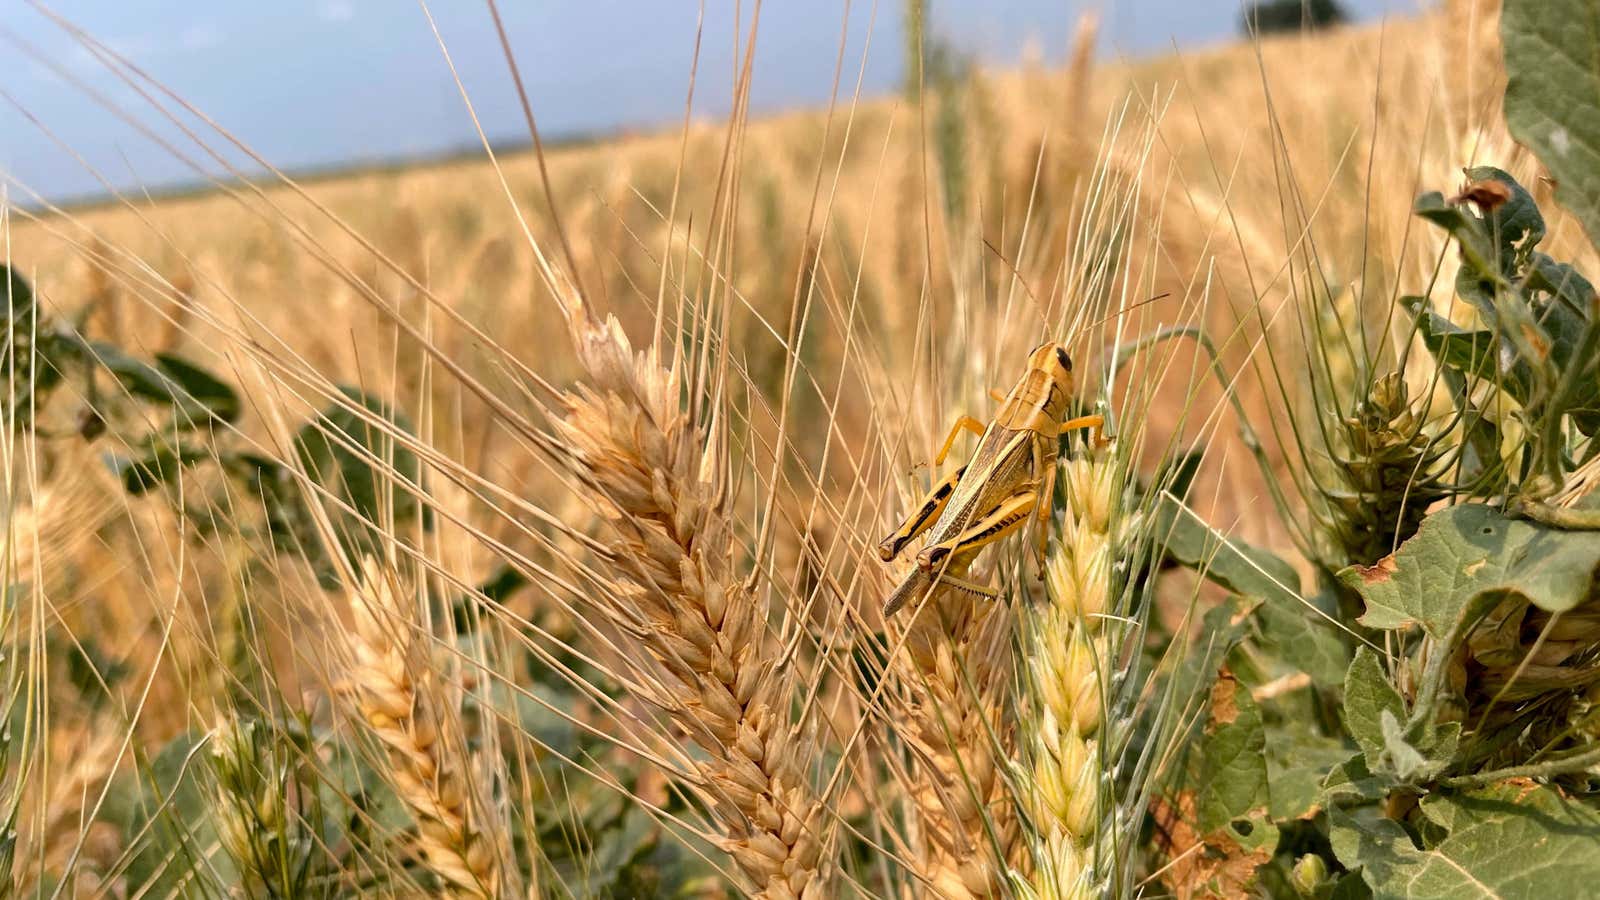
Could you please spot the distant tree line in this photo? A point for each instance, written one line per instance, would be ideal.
(1267, 16)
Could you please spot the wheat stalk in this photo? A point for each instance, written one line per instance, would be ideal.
(659, 474)
(401, 704)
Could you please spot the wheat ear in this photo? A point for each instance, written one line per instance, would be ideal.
(1066, 663)
(660, 475)
(953, 675)
(401, 704)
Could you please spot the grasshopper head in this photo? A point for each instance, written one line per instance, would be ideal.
(1052, 358)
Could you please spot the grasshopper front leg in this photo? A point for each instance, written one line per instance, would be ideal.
(1011, 514)
(927, 513)
(965, 423)
(1098, 423)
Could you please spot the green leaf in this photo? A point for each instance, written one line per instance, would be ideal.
(16, 297)
(1368, 696)
(1510, 840)
(1473, 353)
(1298, 762)
(159, 462)
(1552, 59)
(1478, 256)
(1304, 640)
(1352, 781)
(138, 377)
(1231, 783)
(168, 825)
(1238, 566)
(1399, 757)
(1516, 225)
(1492, 252)
(1468, 557)
(506, 580)
(362, 463)
(199, 392)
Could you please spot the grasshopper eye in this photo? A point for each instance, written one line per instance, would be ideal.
(1063, 359)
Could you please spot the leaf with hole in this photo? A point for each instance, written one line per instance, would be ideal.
(1515, 839)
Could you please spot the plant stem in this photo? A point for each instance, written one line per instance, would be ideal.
(1574, 763)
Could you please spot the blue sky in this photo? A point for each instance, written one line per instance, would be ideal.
(317, 83)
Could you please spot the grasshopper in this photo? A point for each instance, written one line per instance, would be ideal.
(1006, 485)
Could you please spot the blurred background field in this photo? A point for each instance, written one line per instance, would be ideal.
(1349, 122)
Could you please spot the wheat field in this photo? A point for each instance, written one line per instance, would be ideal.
(588, 604)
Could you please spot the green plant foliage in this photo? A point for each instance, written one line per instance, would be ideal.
(1510, 840)
(368, 478)
(357, 451)
(164, 812)
(28, 384)
(1368, 696)
(158, 461)
(1270, 16)
(1552, 91)
(1295, 630)
(1543, 317)
(1231, 781)
(1468, 557)
(199, 391)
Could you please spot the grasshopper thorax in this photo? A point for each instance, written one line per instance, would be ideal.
(1040, 399)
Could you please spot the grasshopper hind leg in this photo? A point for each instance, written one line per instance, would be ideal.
(1013, 513)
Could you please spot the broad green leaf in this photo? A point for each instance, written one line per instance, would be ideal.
(506, 580)
(1512, 840)
(1478, 256)
(1231, 784)
(1298, 762)
(1352, 781)
(1467, 557)
(1368, 695)
(1399, 756)
(138, 377)
(1492, 252)
(194, 393)
(200, 393)
(1306, 640)
(16, 298)
(159, 462)
(1473, 353)
(1516, 226)
(1235, 565)
(1552, 57)
(168, 824)
(356, 451)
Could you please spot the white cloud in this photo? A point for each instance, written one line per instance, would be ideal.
(336, 11)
